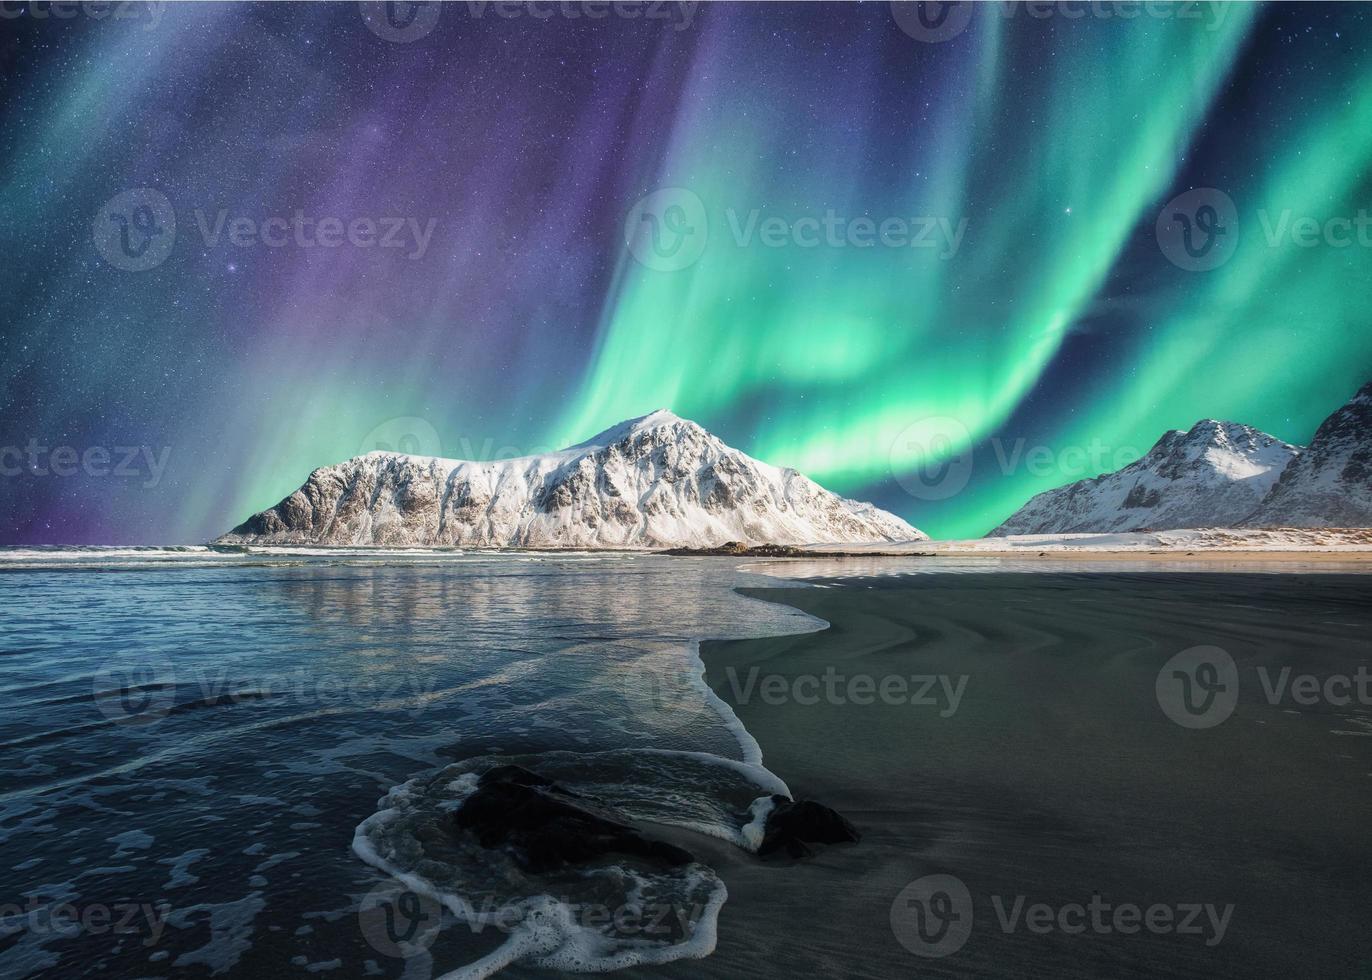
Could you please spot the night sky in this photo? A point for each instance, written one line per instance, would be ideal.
(1026, 319)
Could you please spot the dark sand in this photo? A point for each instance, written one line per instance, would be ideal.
(1059, 777)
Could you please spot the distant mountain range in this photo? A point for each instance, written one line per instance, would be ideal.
(653, 482)
(1222, 474)
(661, 481)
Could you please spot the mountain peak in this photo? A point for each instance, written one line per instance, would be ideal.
(1223, 474)
(1209, 427)
(658, 419)
(1220, 431)
(655, 419)
(1330, 485)
(674, 485)
(1210, 475)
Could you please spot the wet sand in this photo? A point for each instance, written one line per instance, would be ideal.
(1059, 778)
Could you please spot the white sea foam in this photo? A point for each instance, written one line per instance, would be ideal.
(753, 830)
(409, 838)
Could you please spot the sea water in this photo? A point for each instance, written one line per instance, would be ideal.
(245, 763)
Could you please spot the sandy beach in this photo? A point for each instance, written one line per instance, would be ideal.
(1311, 546)
(1057, 779)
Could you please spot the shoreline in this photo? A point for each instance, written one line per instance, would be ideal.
(1342, 554)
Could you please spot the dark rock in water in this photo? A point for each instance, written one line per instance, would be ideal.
(793, 824)
(516, 774)
(547, 826)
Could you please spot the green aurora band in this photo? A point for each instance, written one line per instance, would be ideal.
(1050, 146)
(864, 354)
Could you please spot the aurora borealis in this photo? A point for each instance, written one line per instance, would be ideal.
(526, 135)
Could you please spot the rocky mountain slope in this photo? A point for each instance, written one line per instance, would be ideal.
(654, 482)
(1330, 484)
(1222, 474)
(1212, 476)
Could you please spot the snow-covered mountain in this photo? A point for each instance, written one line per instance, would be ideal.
(1212, 476)
(654, 482)
(1330, 484)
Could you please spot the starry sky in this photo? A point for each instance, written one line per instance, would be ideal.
(243, 241)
